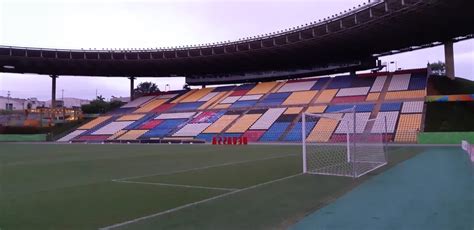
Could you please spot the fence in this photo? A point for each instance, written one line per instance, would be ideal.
(445, 137)
(22, 137)
(466, 146)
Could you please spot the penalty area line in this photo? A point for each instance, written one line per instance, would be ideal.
(196, 203)
(175, 185)
(205, 167)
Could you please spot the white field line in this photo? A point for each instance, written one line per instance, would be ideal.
(196, 203)
(175, 185)
(205, 167)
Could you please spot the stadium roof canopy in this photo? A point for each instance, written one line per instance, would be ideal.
(347, 41)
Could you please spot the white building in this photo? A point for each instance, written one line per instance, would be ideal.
(122, 99)
(8, 103)
(69, 102)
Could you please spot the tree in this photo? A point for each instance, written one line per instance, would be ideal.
(438, 68)
(145, 88)
(99, 105)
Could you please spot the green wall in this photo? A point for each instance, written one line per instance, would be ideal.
(22, 137)
(445, 137)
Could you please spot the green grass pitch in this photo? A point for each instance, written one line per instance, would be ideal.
(79, 186)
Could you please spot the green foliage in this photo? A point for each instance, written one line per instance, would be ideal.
(446, 86)
(99, 106)
(449, 116)
(438, 68)
(145, 88)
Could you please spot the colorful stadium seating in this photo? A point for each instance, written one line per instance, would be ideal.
(270, 111)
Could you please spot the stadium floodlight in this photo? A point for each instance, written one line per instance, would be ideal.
(356, 147)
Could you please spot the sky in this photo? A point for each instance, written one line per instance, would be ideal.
(101, 24)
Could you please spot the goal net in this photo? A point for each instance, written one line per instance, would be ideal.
(343, 143)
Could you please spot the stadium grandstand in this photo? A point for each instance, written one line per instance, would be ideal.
(267, 112)
(303, 128)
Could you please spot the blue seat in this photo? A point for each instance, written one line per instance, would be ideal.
(320, 83)
(340, 82)
(295, 132)
(243, 104)
(395, 106)
(206, 136)
(187, 106)
(140, 122)
(275, 131)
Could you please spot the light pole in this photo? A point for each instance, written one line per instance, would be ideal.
(8, 107)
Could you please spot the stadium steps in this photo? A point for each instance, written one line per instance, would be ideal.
(233, 122)
(290, 127)
(274, 89)
(423, 117)
(320, 92)
(378, 103)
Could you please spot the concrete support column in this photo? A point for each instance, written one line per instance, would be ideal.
(53, 90)
(449, 59)
(132, 87)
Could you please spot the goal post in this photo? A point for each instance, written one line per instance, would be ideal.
(343, 143)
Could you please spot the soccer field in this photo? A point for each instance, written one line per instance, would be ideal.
(80, 186)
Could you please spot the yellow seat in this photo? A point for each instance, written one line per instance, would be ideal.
(211, 101)
(117, 134)
(405, 94)
(408, 127)
(95, 122)
(262, 88)
(293, 110)
(131, 117)
(373, 97)
(326, 96)
(150, 106)
(132, 135)
(300, 98)
(243, 123)
(324, 129)
(182, 97)
(196, 95)
(221, 124)
(316, 109)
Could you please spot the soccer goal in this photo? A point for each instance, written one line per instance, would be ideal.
(343, 143)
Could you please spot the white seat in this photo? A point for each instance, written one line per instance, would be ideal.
(413, 107)
(268, 118)
(378, 84)
(112, 128)
(399, 82)
(165, 116)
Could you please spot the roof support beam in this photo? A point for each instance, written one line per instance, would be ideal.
(132, 87)
(449, 59)
(53, 90)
